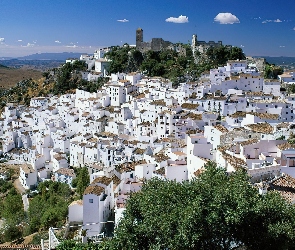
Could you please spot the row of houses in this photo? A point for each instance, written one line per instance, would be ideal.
(136, 128)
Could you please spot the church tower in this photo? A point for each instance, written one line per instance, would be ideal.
(139, 37)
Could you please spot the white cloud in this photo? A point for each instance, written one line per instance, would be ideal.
(242, 46)
(277, 21)
(226, 18)
(57, 41)
(2, 40)
(294, 28)
(72, 46)
(19, 40)
(29, 45)
(123, 20)
(282, 46)
(180, 19)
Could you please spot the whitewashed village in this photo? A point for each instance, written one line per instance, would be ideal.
(136, 127)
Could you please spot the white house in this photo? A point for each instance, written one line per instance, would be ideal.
(75, 215)
(28, 176)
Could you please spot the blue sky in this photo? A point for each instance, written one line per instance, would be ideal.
(260, 27)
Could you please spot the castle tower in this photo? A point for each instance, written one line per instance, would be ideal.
(194, 44)
(139, 37)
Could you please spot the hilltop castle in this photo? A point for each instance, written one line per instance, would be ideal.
(156, 44)
(202, 46)
(199, 48)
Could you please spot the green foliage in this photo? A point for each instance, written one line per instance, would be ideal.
(50, 207)
(216, 211)
(93, 86)
(73, 245)
(120, 58)
(124, 59)
(282, 137)
(168, 63)
(291, 88)
(37, 237)
(10, 232)
(271, 71)
(13, 214)
(13, 211)
(5, 186)
(81, 181)
(218, 56)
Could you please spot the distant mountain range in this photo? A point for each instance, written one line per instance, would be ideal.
(279, 60)
(46, 56)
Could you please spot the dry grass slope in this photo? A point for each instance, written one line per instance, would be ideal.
(9, 76)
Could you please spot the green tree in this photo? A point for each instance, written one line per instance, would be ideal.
(271, 71)
(82, 180)
(215, 211)
(10, 232)
(50, 206)
(13, 211)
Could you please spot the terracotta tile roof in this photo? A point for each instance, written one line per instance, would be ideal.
(78, 202)
(193, 131)
(129, 166)
(189, 106)
(160, 171)
(260, 115)
(234, 161)
(160, 156)
(116, 180)
(283, 125)
(66, 171)
(221, 128)
(285, 146)
(147, 123)
(199, 172)
(27, 168)
(97, 190)
(179, 153)
(139, 151)
(158, 103)
(285, 185)
(102, 179)
(264, 128)
(257, 94)
(249, 142)
(192, 116)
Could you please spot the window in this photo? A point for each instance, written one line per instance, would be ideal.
(90, 200)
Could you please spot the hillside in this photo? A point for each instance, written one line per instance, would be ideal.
(51, 56)
(9, 77)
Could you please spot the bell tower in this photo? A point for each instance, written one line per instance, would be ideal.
(139, 37)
